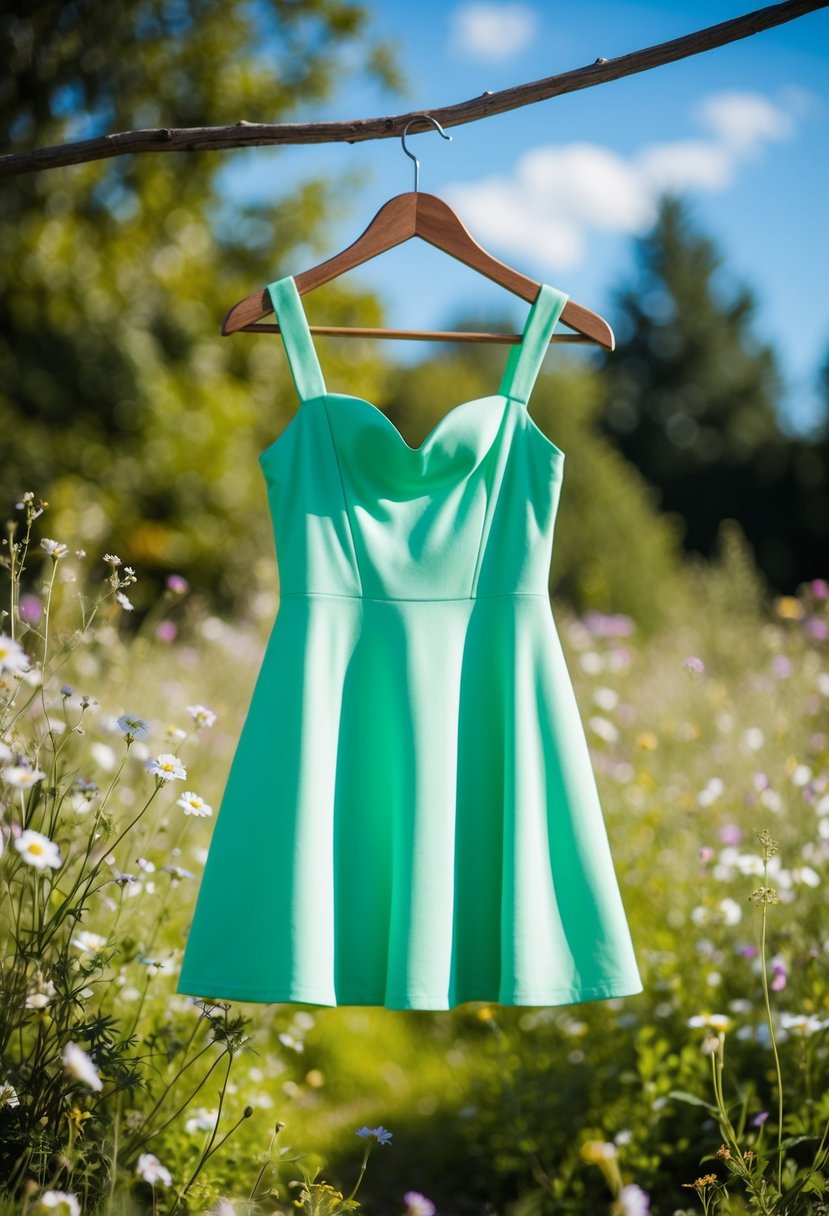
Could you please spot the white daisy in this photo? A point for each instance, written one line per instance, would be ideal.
(193, 804)
(80, 1066)
(59, 1201)
(54, 548)
(201, 1120)
(21, 776)
(91, 943)
(201, 715)
(167, 767)
(39, 996)
(38, 850)
(151, 1170)
(8, 1095)
(12, 656)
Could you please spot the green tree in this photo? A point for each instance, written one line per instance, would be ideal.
(691, 397)
(119, 400)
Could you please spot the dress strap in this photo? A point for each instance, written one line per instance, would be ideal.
(296, 335)
(525, 359)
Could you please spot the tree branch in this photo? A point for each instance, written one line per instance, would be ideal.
(246, 134)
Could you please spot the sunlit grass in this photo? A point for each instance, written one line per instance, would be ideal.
(123, 1096)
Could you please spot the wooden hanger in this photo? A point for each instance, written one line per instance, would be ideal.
(429, 217)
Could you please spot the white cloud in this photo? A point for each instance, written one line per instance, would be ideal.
(557, 193)
(743, 121)
(494, 31)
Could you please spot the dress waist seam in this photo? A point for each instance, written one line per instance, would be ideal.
(406, 599)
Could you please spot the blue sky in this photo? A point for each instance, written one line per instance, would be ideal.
(559, 188)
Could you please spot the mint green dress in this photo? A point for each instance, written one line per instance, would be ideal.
(410, 818)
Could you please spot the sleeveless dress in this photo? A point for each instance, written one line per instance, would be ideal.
(411, 818)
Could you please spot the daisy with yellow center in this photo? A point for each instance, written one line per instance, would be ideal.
(194, 804)
(38, 850)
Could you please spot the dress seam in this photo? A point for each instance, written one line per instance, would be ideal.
(406, 599)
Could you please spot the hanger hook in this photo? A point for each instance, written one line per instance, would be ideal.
(411, 155)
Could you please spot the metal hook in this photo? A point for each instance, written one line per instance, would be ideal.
(411, 155)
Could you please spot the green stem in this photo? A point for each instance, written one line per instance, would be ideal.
(773, 1040)
(363, 1165)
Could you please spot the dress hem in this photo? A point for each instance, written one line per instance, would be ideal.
(557, 996)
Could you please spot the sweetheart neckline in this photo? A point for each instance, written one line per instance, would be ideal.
(421, 448)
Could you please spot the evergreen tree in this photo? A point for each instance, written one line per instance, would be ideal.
(690, 400)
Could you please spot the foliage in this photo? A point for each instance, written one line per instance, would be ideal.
(118, 396)
(690, 399)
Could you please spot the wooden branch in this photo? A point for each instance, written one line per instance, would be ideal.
(246, 134)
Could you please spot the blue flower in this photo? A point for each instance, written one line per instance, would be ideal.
(378, 1134)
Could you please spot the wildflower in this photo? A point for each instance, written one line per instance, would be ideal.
(201, 1120)
(606, 698)
(788, 608)
(193, 804)
(378, 1134)
(21, 776)
(132, 726)
(711, 1021)
(123, 600)
(753, 738)
(631, 1201)
(297, 1045)
(712, 791)
(76, 1118)
(764, 895)
(724, 1152)
(177, 584)
(647, 739)
(80, 1066)
(40, 994)
(90, 943)
(151, 1170)
(12, 655)
(111, 559)
(779, 976)
(38, 850)
(54, 548)
(166, 767)
(759, 1119)
(418, 1205)
(60, 1202)
(201, 715)
(166, 631)
(694, 665)
(178, 872)
(802, 1023)
(603, 728)
(730, 911)
(143, 864)
(701, 1183)
(8, 1095)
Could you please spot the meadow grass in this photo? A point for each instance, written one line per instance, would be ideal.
(706, 1092)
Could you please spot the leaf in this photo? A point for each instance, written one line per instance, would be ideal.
(693, 1100)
